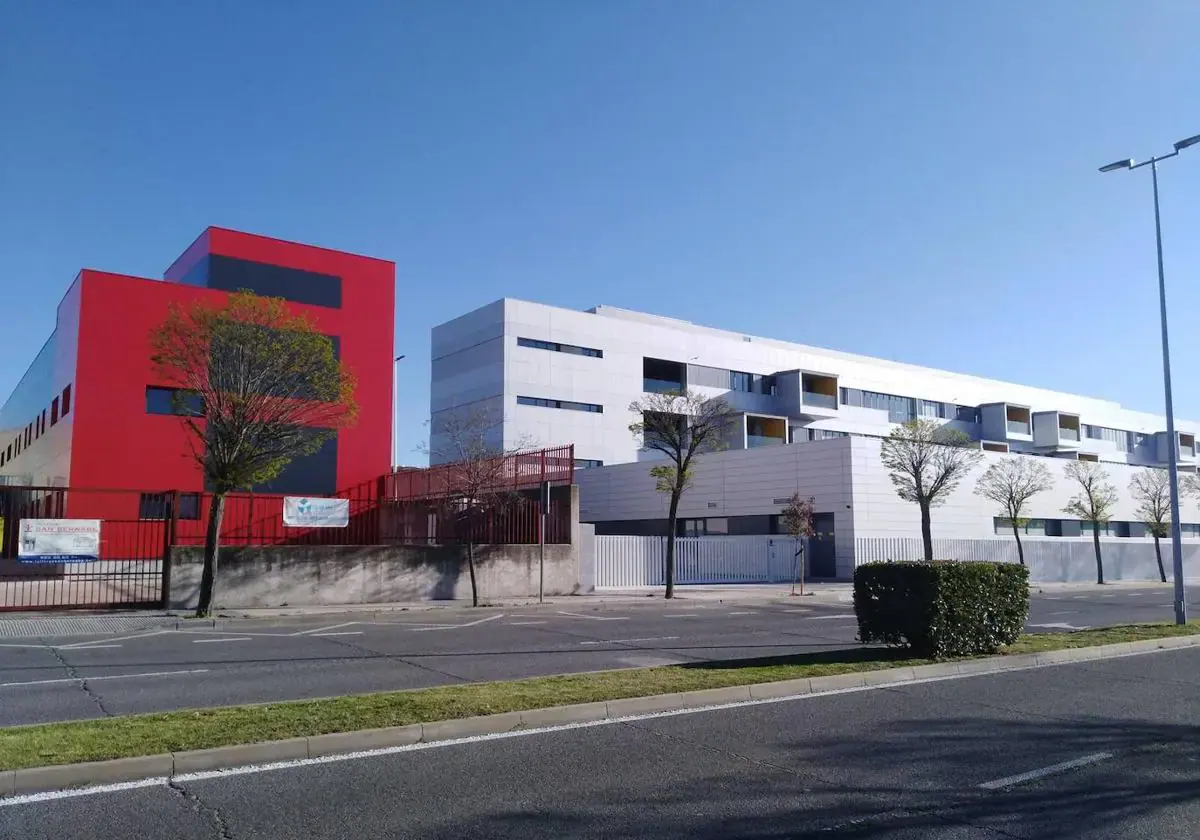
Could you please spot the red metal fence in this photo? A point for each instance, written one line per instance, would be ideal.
(515, 472)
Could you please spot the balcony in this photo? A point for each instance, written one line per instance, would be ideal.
(756, 441)
(818, 395)
(1017, 427)
(1055, 430)
(1186, 448)
(1068, 434)
(762, 430)
(815, 400)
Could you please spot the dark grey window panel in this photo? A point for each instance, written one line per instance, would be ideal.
(229, 274)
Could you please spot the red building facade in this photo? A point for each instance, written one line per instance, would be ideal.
(89, 412)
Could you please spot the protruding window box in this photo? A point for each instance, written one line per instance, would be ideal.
(1055, 430)
(1006, 421)
(1186, 447)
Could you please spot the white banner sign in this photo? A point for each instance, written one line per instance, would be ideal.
(306, 512)
(59, 541)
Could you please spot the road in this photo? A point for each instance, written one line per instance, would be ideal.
(70, 678)
(1104, 749)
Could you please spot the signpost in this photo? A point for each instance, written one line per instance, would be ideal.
(56, 541)
(309, 512)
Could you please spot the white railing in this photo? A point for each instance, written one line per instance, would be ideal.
(632, 562)
(1063, 559)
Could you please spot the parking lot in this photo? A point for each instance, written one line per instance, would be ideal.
(45, 679)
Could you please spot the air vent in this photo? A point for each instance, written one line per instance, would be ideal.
(713, 504)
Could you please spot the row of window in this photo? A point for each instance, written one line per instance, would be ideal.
(752, 383)
(1125, 441)
(902, 409)
(60, 407)
(565, 404)
(1078, 528)
(557, 347)
(588, 463)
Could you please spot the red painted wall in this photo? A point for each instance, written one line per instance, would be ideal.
(114, 443)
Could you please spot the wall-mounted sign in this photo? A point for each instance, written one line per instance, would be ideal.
(307, 512)
(58, 541)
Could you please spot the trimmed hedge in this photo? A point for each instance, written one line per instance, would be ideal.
(944, 608)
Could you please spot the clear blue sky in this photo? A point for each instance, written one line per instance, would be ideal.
(912, 180)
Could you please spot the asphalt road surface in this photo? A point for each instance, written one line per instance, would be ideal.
(1099, 750)
(70, 678)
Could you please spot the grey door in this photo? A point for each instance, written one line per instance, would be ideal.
(822, 562)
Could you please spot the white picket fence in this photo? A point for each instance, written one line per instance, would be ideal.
(632, 562)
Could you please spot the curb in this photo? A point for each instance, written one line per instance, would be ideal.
(168, 765)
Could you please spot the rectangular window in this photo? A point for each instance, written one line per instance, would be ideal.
(739, 381)
(216, 271)
(929, 408)
(66, 401)
(29, 434)
(966, 414)
(557, 347)
(539, 402)
(588, 463)
(851, 396)
(54, 412)
(173, 401)
(158, 506)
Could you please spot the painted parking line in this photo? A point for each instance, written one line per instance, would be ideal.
(339, 633)
(1042, 772)
(839, 616)
(108, 677)
(456, 626)
(321, 631)
(523, 623)
(595, 617)
(742, 613)
(1060, 625)
(631, 641)
(224, 639)
(110, 640)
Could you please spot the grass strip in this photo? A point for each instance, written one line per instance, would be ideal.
(150, 734)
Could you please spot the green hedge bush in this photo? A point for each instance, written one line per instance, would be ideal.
(944, 608)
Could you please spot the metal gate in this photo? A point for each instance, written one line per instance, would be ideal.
(630, 562)
(135, 539)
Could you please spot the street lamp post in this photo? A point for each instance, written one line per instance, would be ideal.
(1172, 439)
(395, 408)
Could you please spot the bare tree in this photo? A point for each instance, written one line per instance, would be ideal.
(257, 386)
(475, 472)
(1151, 489)
(1093, 503)
(680, 426)
(926, 462)
(1011, 483)
(797, 520)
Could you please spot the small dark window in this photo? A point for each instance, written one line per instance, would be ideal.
(541, 402)
(54, 412)
(554, 346)
(173, 401)
(66, 401)
(158, 506)
(588, 463)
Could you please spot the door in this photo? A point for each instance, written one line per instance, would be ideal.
(822, 561)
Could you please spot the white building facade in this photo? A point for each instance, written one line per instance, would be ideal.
(809, 421)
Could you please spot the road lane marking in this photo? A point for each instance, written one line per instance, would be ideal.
(742, 613)
(109, 677)
(94, 647)
(523, 623)
(803, 610)
(320, 631)
(830, 617)
(255, 769)
(1062, 767)
(1060, 625)
(456, 626)
(681, 615)
(224, 639)
(595, 617)
(90, 642)
(340, 633)
(630, 641)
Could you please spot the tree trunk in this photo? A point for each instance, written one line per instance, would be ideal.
(1162, 573)
(471, 570)
(212, 544)
(1096, 543)
(672, 515)
(926, 534)
(1020, 548)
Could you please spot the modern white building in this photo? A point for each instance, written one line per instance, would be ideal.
(551, 376)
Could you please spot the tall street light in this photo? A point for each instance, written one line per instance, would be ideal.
(395, 409)
(1172, 440)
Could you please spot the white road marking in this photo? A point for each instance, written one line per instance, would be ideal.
(595, 617)
(803, 610)
(340, 633)
(91, 642)
(223, 639)
(631, 641)
(320, 631)
(742, 613)
(457, 626)
(523, 623)
(1009, 781)
(1060, 625)
(254, 769)
(1065, 612)
(681, 615)
(94, 647)
(830, 617)
(108, 677)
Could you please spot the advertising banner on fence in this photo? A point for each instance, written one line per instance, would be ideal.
(59, 541)
(306, 512)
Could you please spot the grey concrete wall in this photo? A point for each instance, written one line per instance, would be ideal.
(294, 576)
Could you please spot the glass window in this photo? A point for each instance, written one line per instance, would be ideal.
(967, 414)
(739, 381)
(216, 271)
(540, 402)
(66, 401)
(553, 346)
(158, 506)
(851, 396)
(929, 408)
(173, 401)
(588, 463)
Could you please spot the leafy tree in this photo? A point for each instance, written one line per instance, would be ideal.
(926, 462)
(1151, 490)
(680, 426)
(257, 386)
(1093, 503)
(475, 472)
(797, 521)
(1011, 483)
